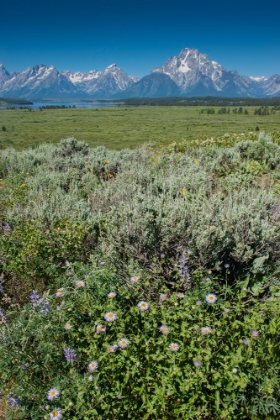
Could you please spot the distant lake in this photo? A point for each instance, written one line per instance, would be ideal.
(67, 104)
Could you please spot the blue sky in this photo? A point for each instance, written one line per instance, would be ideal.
(81, 35)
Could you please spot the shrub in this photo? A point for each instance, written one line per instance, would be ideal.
(70, 147)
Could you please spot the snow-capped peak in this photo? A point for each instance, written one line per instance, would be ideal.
(111, 66)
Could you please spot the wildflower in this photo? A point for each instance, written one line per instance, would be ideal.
(102, 263)
(234, 370)
(92, 366)
(112, 349)
(255, 333)
(227, 310)
(208, 280)
(206, 330)
(198, 302)
(80, 283)
(119, 397)
(197, 363)
(110, 316)
(123, 343)
(143, 306)
(69, 354)
(2, 315)
(56, 414)
(164, 329)
(68, 326)
(174, 346)
(162, 297)
(180, 295)
(25, 366)
(70, 404)
(162, 255)
(35, 298)
(245, 342)
(211, 298)
(189, 251)
(134, 279)
(111, 295)
(226, 265)
(100, 328)
(52, 394)
(45, 308)
(60, 293)
(13, 401)
(90, 378)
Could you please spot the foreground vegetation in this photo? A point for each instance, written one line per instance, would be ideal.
(141, 284)
(128, 127)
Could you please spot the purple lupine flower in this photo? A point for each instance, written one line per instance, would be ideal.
(2, 314)
(255, 333)
(14, 401)
(245, 342)
(35, 298)
(197, 363)
(45, 308)
(70, 354)
(25, 366)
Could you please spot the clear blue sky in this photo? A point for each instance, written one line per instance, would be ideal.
(138, 35)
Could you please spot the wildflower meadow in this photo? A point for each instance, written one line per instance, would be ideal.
(141, 284)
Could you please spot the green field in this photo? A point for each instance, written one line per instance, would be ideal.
(121, 127)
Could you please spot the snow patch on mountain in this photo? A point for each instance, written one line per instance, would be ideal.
(259, 78)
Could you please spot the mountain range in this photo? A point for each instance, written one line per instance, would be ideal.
(188, 74)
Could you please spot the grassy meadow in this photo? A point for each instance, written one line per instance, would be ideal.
(126, 127)
(138, 281)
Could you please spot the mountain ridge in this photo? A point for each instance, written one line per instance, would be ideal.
(190, 73)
